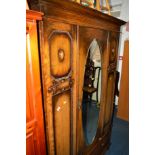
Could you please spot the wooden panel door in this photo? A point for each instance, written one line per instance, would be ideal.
(86, 36)
(58, 41)
(110, 82)
(123, 102)
(35, 138)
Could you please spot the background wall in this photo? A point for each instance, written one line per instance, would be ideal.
(124, 15)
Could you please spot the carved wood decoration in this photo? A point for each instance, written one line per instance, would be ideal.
(60, 86)
(113, 47)
(66, 32)
(112, 67)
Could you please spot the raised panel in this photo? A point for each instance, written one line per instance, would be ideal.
(29, 86)
(109, 103)
(31, 148)
(60, 49)
(28, 109)
(62, 123)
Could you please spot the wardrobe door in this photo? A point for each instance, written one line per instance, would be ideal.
(57, 42)
(92, 92)
(35, 137)
(110, 84)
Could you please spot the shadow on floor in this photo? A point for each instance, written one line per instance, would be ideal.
(120, 138)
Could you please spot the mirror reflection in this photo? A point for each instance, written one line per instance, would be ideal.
(91, 92)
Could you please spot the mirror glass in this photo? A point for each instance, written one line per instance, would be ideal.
(91, 92)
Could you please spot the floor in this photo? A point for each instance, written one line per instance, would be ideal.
(120, 138)
(120, 131)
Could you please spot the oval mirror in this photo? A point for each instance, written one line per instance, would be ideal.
(91, 92)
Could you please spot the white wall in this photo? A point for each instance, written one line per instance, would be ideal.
(125, 10)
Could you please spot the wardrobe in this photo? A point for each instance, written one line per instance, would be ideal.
(35, 131)
(71, 37)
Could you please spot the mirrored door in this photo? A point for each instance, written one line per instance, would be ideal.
(91, 92)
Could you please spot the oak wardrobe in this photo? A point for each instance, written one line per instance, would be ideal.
(78, 51)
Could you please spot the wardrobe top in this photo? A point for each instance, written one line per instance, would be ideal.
(77, 14)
